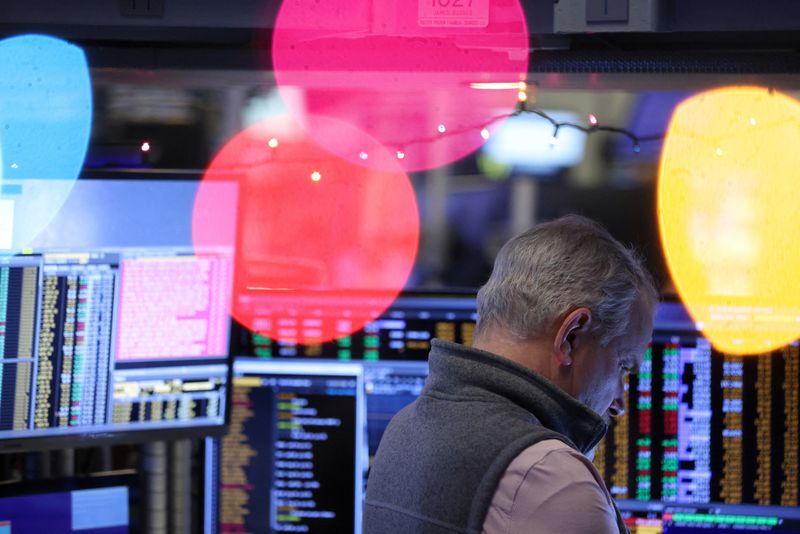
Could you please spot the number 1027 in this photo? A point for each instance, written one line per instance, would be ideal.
(451, 3)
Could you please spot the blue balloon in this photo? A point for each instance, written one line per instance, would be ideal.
(45, 123)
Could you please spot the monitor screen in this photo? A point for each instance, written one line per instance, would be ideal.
(96, 505)
(390, 386)
(114, 325)
(402, 332)
(709, 440)
(295, 455)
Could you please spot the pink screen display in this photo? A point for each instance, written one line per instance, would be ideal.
(174, 307)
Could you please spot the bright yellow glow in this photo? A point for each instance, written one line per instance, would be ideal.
(727, 207)
(522, 96)
(498, 86)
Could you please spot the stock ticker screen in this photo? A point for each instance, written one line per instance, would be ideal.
(402, 332)
(295, 455)
(709, 440)
(275, 420)
(111, 323)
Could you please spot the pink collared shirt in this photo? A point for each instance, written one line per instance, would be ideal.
(551, 488)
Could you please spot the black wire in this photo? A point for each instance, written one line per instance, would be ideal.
(521, 108)
(635, 139)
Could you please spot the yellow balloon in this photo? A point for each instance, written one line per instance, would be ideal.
(728, 197)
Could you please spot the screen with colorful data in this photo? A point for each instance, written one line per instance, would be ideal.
(96, 505)
(388, 386)
(112, 324)
(295, 456)
(402, 332)
(709, 440)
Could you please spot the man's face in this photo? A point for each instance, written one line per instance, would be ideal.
(601, 371)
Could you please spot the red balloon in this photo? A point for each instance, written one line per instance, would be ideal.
(424, 77)
(318, 237)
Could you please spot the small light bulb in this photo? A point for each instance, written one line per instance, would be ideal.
(592, 119)
(553, 140)
(316, 176)
(401, 154)
(363, 155)
(272, 143)
(523, 86)
(485, 133)
(719, 151)
(441, 128)
(637, 148)
(14, 166)
(145, 146)
(752, 121)
(522, 96)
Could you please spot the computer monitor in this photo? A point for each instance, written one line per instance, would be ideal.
(114, 326)
(709, 441)
(393, 347)
(390, 386)
(90, 505)
(295, 456)
(402, 332)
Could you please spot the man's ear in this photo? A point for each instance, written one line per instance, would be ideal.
(575, 322)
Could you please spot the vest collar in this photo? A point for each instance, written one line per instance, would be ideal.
(460, 371)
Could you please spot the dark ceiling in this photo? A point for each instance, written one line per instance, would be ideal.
(727, 36)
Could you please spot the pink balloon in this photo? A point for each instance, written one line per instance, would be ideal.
(318, 236)
(413, 75)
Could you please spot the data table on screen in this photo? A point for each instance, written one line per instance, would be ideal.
(401, 332)
(709, 439)
(111, 327)
(295, 455)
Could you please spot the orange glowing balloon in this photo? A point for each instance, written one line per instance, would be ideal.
(728, 193)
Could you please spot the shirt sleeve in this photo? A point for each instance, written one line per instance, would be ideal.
(551, 488)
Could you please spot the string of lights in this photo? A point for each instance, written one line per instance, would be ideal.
(593, 126)
(524, 106)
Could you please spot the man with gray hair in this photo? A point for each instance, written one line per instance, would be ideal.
(501, 437)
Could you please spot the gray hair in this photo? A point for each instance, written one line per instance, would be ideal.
(555, 267)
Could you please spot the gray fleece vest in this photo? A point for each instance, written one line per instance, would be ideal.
(442, 457)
